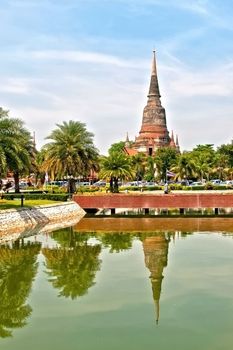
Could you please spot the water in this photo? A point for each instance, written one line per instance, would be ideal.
(123, 289)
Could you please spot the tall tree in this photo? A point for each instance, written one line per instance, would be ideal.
(115, 167)
(165, 158)
(71, 152)
(139, 163)
(16, 147)
(227, 150)
(204, 158)
(185, 167)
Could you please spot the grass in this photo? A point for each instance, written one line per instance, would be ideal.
(16, 203)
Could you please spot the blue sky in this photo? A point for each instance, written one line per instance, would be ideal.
(90, 60)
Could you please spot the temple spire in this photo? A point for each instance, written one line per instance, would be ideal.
(127, 143)
(177, 144)
(153, 70)
(154, 85)
(172, 142)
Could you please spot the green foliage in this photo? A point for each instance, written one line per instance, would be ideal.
(227, 150)
(61, 197)
(165, 159)
(139, 163)
(176, 187)
(117, 147)
(114, 167)
(150, 169)
(209, 186)
(117, 242)
(18, 268)
(16, 147)
(81, 258)
(71, 152)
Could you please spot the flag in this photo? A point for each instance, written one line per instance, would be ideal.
(46, 177)
(170, 174)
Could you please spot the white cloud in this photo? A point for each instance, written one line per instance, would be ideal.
(110, 98)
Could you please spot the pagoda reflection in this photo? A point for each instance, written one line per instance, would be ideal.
(156, 256)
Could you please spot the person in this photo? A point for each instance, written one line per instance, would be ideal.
(166, 188)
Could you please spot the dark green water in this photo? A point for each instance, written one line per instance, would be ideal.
(127, 291)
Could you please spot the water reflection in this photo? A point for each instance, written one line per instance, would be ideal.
(156, 252)
(117, 242)
(74, 256)
(18, 268)
(72, 266)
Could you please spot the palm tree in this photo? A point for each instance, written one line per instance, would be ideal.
(16, 147)
(139, 164)
(185, 167)
(71, 153)
(114, 167)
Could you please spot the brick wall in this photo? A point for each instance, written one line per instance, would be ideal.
(181, 200)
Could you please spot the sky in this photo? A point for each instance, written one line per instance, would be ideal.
(90, 61)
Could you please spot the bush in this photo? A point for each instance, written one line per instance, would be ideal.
(209, 186)
(197, 188)
(49, 196)
(176, 187)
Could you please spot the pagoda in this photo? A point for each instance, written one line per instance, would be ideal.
(154, 133)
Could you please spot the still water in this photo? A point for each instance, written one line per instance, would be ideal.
(78, 288)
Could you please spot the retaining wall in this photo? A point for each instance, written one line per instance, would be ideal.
(14, 223)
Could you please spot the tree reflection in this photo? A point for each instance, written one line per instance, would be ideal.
(117, 241)
(72, 266)
(18, 269)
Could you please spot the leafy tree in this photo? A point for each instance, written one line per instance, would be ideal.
(117, 147)
(114, 167)
(16, 147)
(185, 168)
(204, 158)
(165, 158)
(221, 167)
(150, 169)
(139, 165)
(71, 153)
(18, 269)
(227, 150)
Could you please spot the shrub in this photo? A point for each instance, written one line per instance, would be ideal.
(209, 186)
(198, 188)
(49, 196)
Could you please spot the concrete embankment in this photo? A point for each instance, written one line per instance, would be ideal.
(16, 223)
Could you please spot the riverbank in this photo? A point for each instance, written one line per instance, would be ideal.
(43, 218)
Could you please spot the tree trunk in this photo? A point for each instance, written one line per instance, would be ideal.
(16, 179)
(111, 185)
(115, 185)
(71, 186)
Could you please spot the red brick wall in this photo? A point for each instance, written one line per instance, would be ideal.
(194, 200)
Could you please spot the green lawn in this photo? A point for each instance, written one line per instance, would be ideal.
(16, 203)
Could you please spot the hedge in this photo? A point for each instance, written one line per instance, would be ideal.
(48, 196)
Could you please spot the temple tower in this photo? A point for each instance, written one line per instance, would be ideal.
(153, 133)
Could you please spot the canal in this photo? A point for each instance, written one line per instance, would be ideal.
(111, 283)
